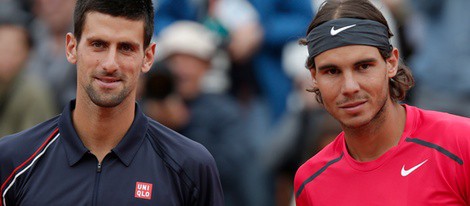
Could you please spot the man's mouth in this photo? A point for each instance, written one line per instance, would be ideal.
(352, 104)
(108, 82)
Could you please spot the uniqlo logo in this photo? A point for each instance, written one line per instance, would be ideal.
(143, 190)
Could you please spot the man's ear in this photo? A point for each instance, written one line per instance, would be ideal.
(313, 73)
(148, 57)
(392, 63)
(71, 48)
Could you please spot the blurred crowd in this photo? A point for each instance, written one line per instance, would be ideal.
(230, 75)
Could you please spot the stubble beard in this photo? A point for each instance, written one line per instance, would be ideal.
(375, 121)
(106, 100)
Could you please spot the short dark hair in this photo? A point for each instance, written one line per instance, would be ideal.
(360, 9)
(129, 9)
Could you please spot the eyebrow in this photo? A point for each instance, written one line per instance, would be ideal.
(134, 44)
(368, 60)
(91, 39)
(328, 66)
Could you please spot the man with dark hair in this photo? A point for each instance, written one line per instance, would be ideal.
(388, 153)
(102, 150)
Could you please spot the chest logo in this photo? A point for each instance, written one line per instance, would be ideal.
(143, 190)
(405, 173)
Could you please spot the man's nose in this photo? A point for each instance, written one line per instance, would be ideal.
(350, 84)
(110, 64)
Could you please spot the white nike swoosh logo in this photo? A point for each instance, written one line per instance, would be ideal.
(337, 31)
(405, 173)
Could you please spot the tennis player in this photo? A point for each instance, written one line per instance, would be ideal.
(388, 153)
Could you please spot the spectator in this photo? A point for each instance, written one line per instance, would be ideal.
(53, 21)
(187, 47)
(24, 99)
(441, 63)
(254, 34)
(161, 102)
(260, 38)
(281, 21)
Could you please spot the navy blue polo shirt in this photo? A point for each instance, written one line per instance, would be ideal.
(152, 165)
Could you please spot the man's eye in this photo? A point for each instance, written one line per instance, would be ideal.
(97, 44)
(364, 66)
(332, 71)
(127, 48)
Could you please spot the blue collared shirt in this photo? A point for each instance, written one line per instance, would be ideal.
(152, 165)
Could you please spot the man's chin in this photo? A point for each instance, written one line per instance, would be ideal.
(106, 104)
(355, 122)
(109, 102)
(106, 99)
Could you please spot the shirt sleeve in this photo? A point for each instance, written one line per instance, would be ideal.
(7, 169)
(210, 191)
(300, 199)
(465, 173)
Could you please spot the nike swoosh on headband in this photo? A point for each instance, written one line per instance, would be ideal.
(359, 32)
(333, 32)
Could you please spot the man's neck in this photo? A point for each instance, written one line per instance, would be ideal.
(371, 141)
(101, 129)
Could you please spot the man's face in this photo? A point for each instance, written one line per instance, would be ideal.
(14, 51)
(109, 57)
(353, 81)
(189, 72)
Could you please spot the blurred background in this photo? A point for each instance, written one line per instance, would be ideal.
(230, 75)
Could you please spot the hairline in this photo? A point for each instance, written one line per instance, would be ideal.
(143, 17)
(123, 17)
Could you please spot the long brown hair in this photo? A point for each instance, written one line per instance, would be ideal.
(360, 9)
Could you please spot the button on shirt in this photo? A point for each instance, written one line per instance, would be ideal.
(152, 165)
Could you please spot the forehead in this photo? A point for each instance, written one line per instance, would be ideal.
(114, 29)
(347, 55)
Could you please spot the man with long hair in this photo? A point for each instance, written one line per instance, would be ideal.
(389, 153)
